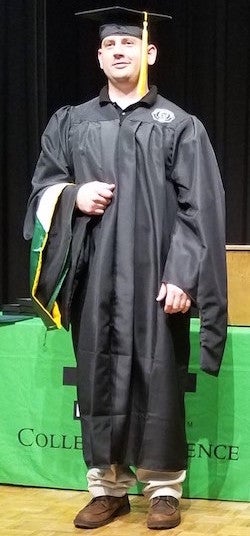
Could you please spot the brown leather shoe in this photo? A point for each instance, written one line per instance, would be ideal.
(101, 510)
(164, 513)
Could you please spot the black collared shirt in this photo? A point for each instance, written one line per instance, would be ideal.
(147, 101)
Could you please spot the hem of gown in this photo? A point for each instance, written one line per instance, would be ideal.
(147, 467)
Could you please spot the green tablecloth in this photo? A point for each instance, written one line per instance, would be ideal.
(40, 437)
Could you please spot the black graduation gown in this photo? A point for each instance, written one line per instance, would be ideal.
(165, 223)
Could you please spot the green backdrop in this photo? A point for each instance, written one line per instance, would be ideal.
(40, 437)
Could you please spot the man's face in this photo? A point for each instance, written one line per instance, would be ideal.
(119, 57)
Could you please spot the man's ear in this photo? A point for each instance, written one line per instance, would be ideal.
(100, 57)
(152, 54)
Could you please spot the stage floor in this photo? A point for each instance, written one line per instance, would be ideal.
(48, 512)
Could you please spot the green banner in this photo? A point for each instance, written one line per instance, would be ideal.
(40, 435)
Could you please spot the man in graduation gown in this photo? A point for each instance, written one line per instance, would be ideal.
(140, 221)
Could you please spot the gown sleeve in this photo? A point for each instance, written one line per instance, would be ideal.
(54, 164)
(50, 219)
(196, 261)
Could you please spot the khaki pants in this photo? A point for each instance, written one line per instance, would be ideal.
(118, 479)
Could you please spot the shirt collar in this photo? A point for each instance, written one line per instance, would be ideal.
(147, 101)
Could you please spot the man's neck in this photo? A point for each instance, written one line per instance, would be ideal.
(124, 97)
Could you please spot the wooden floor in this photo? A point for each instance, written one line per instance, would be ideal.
(48, 512)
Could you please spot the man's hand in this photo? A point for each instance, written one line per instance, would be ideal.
(94, 197)
(176, 300)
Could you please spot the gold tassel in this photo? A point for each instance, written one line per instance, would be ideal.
(142, 85)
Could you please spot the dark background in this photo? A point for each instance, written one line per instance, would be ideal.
(48, 59)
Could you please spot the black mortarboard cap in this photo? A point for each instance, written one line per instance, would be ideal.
(118, 20)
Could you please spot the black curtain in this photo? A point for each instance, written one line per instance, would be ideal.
(23, 115)
(203, 65)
